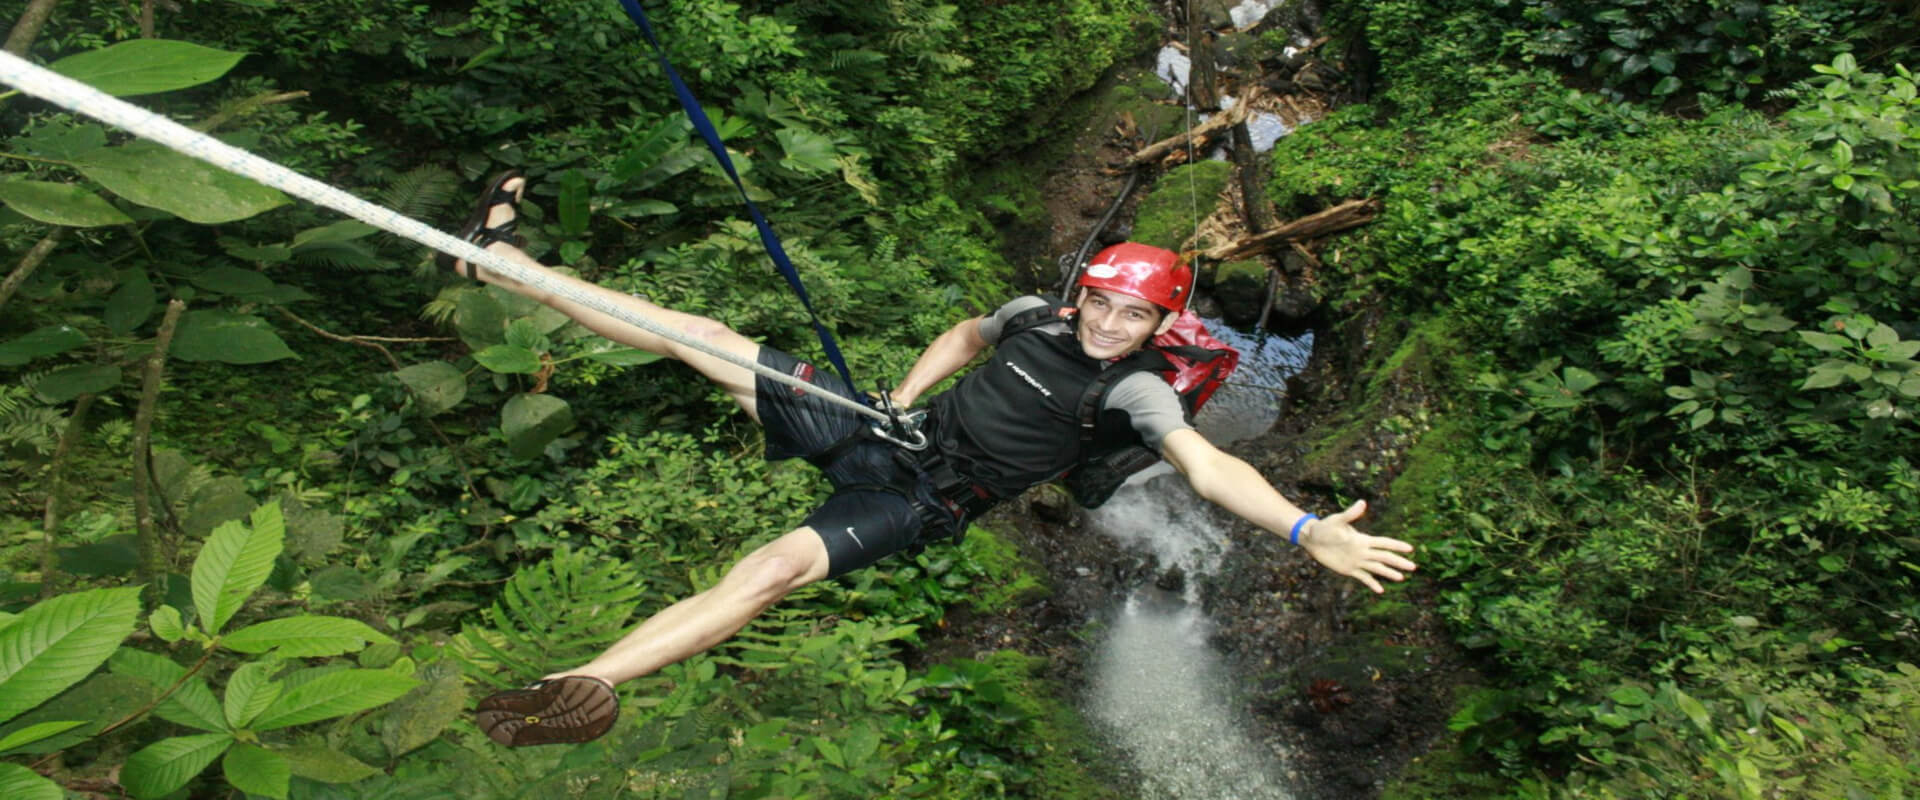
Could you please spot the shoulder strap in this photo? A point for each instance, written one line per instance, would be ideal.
(1033, 317)
(1096, 394)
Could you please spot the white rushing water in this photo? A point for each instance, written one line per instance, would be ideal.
(1164, 697)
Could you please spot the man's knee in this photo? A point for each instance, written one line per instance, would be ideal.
(771, 573)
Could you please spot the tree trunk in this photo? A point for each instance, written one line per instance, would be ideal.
(146, 19)
(27, 28)
(1351, 214)
(56, 487)
(1253, 193)
(153, 568)
(1201, 91)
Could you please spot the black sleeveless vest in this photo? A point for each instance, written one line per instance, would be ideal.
(1014, 421)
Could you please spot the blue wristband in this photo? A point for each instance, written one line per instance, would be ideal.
(1295, 537)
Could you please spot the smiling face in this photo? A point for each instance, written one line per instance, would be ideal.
(1114, 324)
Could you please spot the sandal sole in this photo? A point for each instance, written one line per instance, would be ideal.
(566, 710)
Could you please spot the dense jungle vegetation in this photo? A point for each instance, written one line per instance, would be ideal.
(1654, 263)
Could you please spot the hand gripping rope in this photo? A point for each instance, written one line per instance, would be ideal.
(76, 96)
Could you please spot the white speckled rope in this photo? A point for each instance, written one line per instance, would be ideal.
(76, 96)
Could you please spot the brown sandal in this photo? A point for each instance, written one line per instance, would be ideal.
(568, 710)
(476, 230)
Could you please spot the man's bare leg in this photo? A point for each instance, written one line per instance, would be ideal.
(737, 381)
(703, 620)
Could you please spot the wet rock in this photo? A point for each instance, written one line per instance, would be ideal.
(1213, 14)
(1173, 580)
(1051, 503)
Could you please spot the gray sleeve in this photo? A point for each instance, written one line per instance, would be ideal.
(991, 327)
(1151, 406)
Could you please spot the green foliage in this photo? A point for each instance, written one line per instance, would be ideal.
(552, 615)
(1688, 408)
(1725, 48)
(57, 643)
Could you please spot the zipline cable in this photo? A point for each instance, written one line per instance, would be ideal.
(79, 97)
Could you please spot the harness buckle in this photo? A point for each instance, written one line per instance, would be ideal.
(902, 428)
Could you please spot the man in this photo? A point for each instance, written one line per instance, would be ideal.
(1004, 427)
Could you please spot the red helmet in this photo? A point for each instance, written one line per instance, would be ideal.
(1137, 270)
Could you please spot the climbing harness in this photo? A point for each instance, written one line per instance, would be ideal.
(79, 97)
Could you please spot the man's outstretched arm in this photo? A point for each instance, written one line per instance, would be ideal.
(1235, 485)
(945, 356)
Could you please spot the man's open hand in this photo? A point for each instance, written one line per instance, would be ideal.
(1334, 542)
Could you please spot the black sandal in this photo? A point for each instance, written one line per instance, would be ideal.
(475, 230)
(568, 710)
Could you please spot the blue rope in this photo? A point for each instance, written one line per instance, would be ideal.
(698, 116)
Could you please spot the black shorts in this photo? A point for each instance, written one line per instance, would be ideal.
(869, 515)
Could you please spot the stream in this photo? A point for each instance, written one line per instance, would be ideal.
(1162, 695)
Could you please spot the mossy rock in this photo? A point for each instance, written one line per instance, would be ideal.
(1008, 580)
(1241, 288)
(1166, 217)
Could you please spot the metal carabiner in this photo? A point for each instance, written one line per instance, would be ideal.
(908, 423)
(917, 443)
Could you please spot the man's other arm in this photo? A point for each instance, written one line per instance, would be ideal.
(1235, 485)
(946, 355)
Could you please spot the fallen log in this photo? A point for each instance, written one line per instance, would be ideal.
(1199, 133)
(1351, 214)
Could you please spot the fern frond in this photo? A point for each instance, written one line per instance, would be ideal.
(344, 254)
(35, 427)
(422, 191)
(554, 614)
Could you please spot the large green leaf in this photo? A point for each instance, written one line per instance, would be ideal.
(232, 280)
(60, 204)
(228, 338)
(58, 641)
(50, 340)
(249, 691)
(334, 694)
(257, 770)
(192, 704)
(19, 783)
(480, 318)
(161, 768)
(509, 359)
(437, 385)
(98, 701)
(233, 563)
(806, 151)
(532, 420)
(326, 765)
(131, 304)
(67, 383)
(145, 66)
(187, 187)
(36, 732)
(304, 636)
(419, 717)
